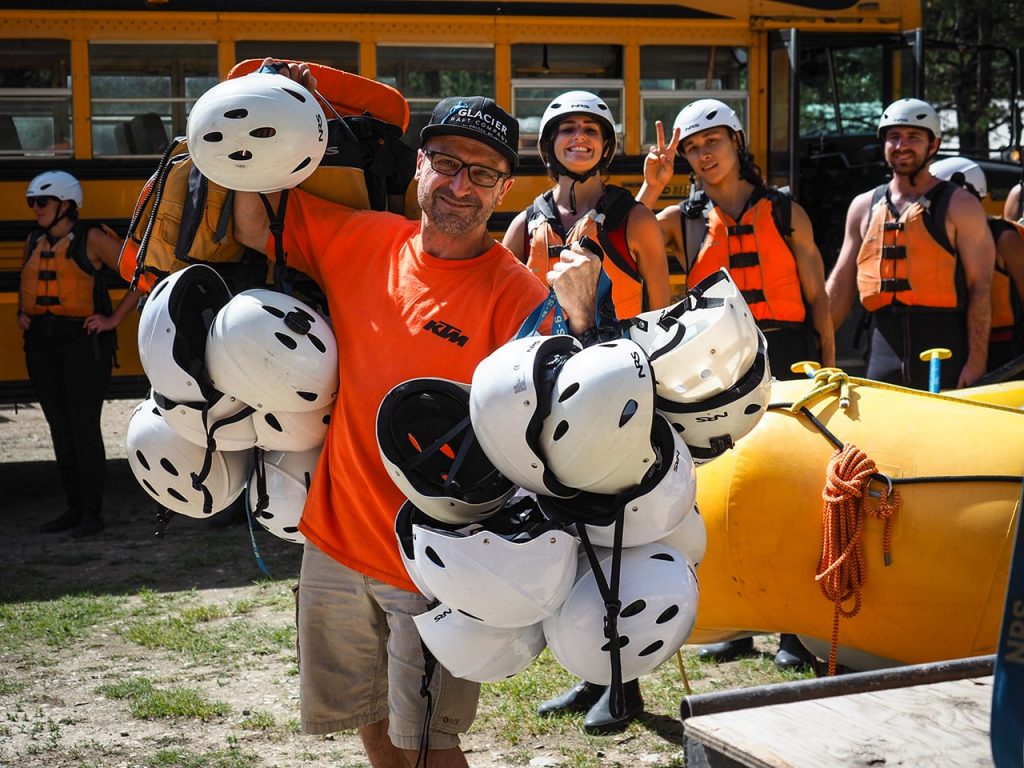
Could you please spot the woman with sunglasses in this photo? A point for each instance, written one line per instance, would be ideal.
(66, 314)
(577, 143)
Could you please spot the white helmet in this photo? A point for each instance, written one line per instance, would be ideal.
(690, 538)
(509, 398)
(291, 431)
(277, 499)
(59, 184)
(576, 103)
(408, 516)
(597, 436)
(701, 346)
(227, 420)
(163, 462)
(511, 571)
(427, 444)
(702, 114)
(961, 171)
(711, 427)
(258, 133)
(910, 112)
(173, 328)
(652, 509)
(658, 592)
(273, 352)
(475, 651)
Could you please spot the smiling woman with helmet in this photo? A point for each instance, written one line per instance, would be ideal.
(577, 144)
(66, 314)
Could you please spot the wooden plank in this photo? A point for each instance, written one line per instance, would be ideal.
(943, 724)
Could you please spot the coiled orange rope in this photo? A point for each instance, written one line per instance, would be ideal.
(841, 570)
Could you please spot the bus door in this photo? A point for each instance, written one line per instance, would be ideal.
(827, 91)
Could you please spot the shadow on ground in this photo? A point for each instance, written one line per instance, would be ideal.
(127, 556)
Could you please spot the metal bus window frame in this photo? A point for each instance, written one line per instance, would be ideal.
(25, 108)
(173, 109)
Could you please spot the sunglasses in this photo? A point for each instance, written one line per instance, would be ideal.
(40, 202)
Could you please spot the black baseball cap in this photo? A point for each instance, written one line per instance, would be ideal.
(475, 117)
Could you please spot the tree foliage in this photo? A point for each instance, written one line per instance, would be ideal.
(969, 64)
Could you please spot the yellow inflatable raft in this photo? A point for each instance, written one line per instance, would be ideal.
(941, 596)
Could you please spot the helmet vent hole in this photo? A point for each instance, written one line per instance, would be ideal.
(706, 373)
(433, 557)
(628, 412)
(637, 606)
(571, 390)
(470, 615)
(302, 165)
(273, 423)
(752, 408)
(213, 137)
(272, 310)
(236, 114)
(678, 427)
(168, 467)
(286, 340)
(326, 419)
(316, 342)
(309, 397)
(711, 115)
(142, 459)
(241, 156)
(291, 530)
(667, 615)
(176, 495)
(623, 642)
(152, 490)
(266, 132)
(663, 556)
(652, 648)
(560, 430)
(295, 95)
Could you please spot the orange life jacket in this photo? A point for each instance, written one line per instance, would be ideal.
(1005, 307)
(58, 279)
(606, 225)
(906, 260)
(755, 252)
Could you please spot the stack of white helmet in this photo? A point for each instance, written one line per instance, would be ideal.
(229, 375)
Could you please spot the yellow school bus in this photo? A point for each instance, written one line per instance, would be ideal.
(98, 89)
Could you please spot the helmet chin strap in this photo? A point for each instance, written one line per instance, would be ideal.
(57, 217)
(561, 170)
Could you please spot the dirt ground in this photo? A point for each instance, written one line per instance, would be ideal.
(54, 713)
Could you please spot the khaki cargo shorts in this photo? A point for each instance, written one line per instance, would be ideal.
(361, 660)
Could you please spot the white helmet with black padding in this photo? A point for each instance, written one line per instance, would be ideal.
(277, 490)
(962, 172)
(711, 427)
(291, 430)
(570, 104)
(259, 133)
(274, 352)
(164, 464)
(909, 112)
(512, 570)
(658, 593)
(173, 328)
(702, 345)
(650, 510)
(59, 184)
(428, 446)
(703, 114)
(225, 420)
(509, 400)
(476, 651)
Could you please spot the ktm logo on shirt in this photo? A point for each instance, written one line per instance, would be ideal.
(446, 331)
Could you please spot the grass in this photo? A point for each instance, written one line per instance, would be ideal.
(148, 702)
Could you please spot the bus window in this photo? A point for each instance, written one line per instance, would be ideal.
(344, 56)
(542, 71)
(840, 90)
(672, 76)
(141, 93)
(35, 98)
(426, 74)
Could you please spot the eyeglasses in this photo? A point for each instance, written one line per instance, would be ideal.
(40, 202)
(449, 165)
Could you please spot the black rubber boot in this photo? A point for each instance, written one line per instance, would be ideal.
(727, 651)
(579, 698)
(62, 523)
(89, 526)
(599, 718)
(792, 654)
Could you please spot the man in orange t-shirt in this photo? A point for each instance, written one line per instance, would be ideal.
(390, 285)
